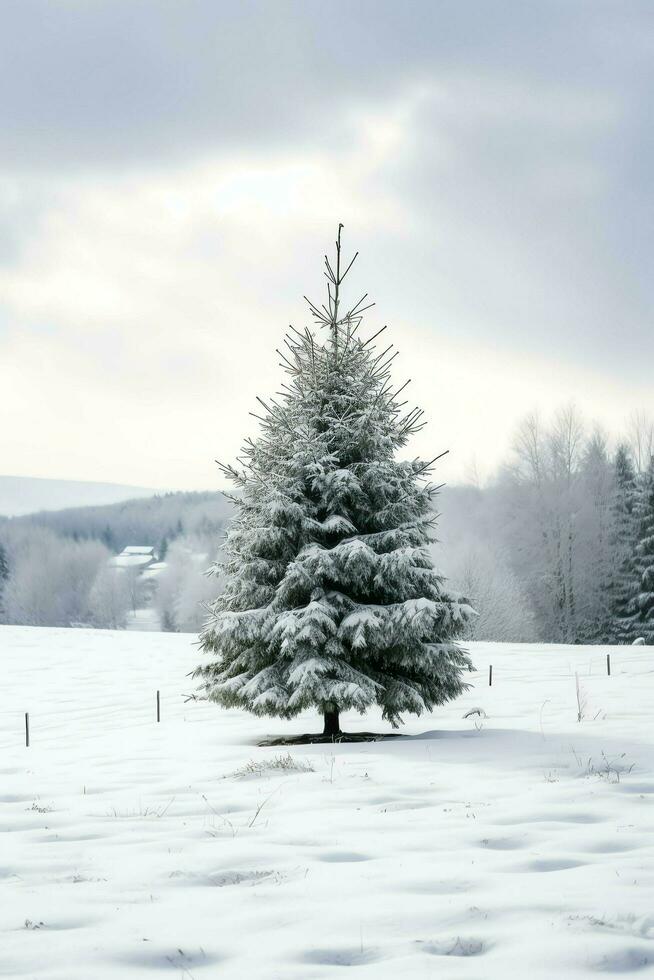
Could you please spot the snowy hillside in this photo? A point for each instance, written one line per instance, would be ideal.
(27, 495)
(514, 844)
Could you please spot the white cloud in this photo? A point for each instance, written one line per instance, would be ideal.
(143, 308)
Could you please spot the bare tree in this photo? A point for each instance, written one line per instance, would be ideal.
(566, 442)
(109, 599)
(50, 579)
(529, 454)
(640, 438)
(184, 589)
(503, 608)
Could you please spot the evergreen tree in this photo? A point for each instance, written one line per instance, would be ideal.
(331, 600)
(107, 538)
(4, 572)
(640, 617)
(4, 565)
(623, 541)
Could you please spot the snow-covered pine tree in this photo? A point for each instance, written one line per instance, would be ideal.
(640, 614)
(331, 599)
(624, 527)
(4, 573)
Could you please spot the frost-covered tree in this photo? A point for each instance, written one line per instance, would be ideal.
(331, 600)
(109, 599)
(593, 516)
(640, 439)
(566, 528)
(50, 579)
(4, 573)
(542, 494)
(482, 573)
(639, 621)
(619, 592)
(183, 588)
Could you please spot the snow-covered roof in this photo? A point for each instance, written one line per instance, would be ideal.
(138, 549)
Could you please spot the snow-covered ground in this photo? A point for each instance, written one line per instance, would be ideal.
(146, 620)
(518, 845)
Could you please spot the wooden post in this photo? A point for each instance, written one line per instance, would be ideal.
(27, 729)
(490, 676)
(158, 707)
(608, 664)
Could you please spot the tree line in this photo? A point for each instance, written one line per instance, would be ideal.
(155, 521)
(54, 565)
(559, 545)
(556, 547)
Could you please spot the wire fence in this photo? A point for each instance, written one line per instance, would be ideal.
(85, 721)
(78, 718)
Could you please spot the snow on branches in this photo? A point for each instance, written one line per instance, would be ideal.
(331, 599)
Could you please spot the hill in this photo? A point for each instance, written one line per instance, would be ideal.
(27, 494)
(152, 520)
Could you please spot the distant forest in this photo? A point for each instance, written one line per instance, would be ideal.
(155, 521)
(55, 568)
(558, 546)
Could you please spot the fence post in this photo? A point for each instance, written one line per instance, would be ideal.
(490, 676)
(158, 707)
(608, 664)
(27, 729)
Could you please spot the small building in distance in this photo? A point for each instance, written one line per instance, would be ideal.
(139, 556)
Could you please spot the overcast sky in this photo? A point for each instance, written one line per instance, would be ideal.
(171, 173)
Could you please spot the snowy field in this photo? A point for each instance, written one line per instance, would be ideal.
(520, 844)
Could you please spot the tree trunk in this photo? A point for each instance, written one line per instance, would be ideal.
(332, 725)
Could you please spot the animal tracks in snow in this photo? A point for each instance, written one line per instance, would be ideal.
(341, 956)
(454, 854)
(459, 946)
(455, 946)
(174, 961)
(629, 960)
(553, 817)
(343, 857)
(551, 864)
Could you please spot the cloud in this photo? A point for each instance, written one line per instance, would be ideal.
(172, 172)
(113, 82)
